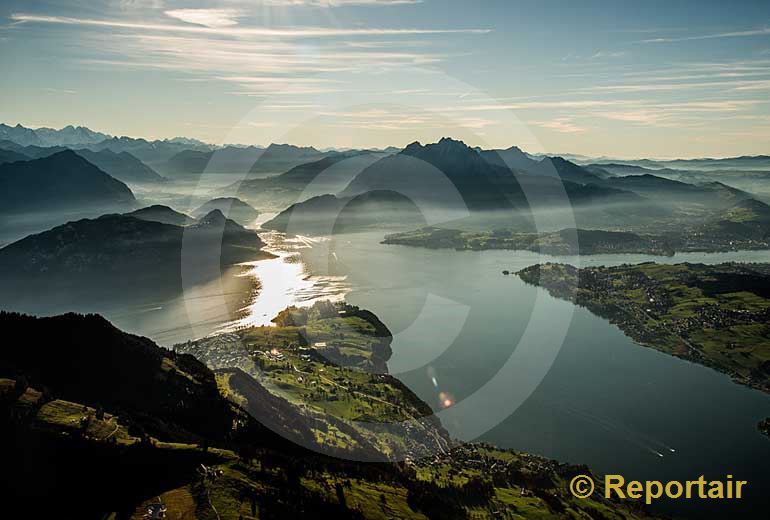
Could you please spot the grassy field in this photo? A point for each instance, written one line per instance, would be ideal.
(326, 363)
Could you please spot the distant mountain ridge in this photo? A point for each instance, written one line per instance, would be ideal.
(484, 180)
(80, 135)
(153, 153)
(229, 159)
(60, 181)
(67, 136)
(710, 194)
(122, 165)
(423, 171)
(741, 163)
(278, 158)
(329, 174)
(449, 179)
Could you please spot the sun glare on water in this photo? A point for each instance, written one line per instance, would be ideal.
(284, 281)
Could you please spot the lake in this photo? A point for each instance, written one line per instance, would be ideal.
(504, 362)
(541, 375)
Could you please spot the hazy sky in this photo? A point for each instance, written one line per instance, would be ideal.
(637, 78)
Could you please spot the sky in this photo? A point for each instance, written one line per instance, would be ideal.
(599, 78)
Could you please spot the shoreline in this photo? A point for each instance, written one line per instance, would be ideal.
(623, 319)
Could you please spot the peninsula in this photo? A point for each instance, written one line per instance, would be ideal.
(715, 315)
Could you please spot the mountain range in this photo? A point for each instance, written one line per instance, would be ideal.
(153, 153)
(517, 160)
(484, 180)
(62, 181)
(249, 161)
(715, 193)
(445, 174)
(278, 158)
(122, 166)
(420, 172)
(323, 176)
(742, 163)
(229, 159)
(154, 150)
(451, 176)
(67, 136)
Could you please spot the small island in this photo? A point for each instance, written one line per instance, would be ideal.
(715, 315)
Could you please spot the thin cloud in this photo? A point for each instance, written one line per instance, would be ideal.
(128, 5)
(562, 125)
(754, 85)
(238, 31)
(570, 104)
(394, 119)
(217, 58)
(215, 18)
(292, 106)
(59, 90)
(737, 84)
(337, 3)
(656, 87)
(732, 34)
(609, 54)
(251, 80)
(677, 114)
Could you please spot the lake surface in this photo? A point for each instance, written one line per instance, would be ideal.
(519, 368)
(534, 373)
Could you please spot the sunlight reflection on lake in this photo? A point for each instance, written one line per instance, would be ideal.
(285, 281)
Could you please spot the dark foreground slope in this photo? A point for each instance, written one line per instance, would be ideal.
(96, 423)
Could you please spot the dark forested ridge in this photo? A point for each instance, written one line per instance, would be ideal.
(63, 180)
(122, 257)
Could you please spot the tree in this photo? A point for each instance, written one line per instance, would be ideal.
(340, 494)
